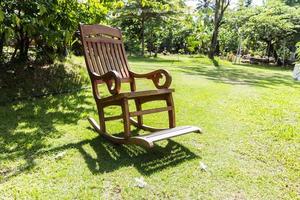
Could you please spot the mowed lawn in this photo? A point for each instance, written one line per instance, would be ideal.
(250, 116)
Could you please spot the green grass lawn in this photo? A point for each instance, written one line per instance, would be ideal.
(251, 121)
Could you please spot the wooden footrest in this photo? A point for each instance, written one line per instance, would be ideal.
(149, 139)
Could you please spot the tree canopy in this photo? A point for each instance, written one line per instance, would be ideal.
(46, 30)
(48, 25)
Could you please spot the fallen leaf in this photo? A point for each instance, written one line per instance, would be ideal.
(140, 182)
(59, 155)
(203, 166)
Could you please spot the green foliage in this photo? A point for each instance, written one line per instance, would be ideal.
(45, 30)
(271, 23)
(49, 25)
(229, 40)
(298, 51)
(144, 22)
(292, 2)
(276, 25)
(1, 16)
(193, 44)
(176, 33)
(271, 30)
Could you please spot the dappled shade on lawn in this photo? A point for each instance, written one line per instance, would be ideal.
(26, 126)
(23, 81)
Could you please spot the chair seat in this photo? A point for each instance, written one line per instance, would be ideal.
(137, 94)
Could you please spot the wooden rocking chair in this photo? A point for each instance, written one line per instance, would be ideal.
(107, 63)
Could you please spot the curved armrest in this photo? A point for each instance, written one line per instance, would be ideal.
(109, 78)
(155, 76)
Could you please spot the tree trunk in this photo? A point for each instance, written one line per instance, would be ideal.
(14, 53)
(24, 47)
(62, 51)
(272, 49)
(269, 49)
(214, 38)
(213, 43)
(143, 37)
(220, 7)
(2, 44)
(156, 52)
(23, 43)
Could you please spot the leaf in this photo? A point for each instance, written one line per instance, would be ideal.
(1, 16)
(42, 9)
(68, 37)
(140, 182)
(203, 166)
(59, 155)
(16, 20)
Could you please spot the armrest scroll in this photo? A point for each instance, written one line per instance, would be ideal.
(112, 80)
(155, 76)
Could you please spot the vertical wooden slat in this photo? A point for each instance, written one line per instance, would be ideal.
(96, 55)
(105, 56)
(101, 58)
(122, 61)
(91, 55)
(116, 65)
(109, 56)
(88, 58)
(118, 61)
(125, 59)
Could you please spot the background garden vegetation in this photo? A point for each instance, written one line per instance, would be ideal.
(45, 30)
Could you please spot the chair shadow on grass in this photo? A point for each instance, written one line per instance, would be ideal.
(237, 76)
(102, 156)
(30, 124)
(110, 157)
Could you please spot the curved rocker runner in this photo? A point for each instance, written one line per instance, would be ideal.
(107, 63)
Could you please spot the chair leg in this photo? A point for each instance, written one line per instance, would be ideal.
(101, 118)
(171, 113)
(126, 118)
(138, 106)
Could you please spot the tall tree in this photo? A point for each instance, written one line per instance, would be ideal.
(248, 3)
(135, 16)
(292, 2)
(218, 7)
(48, 24)
(276, 25)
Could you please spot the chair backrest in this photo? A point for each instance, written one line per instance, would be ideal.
(104, 50)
